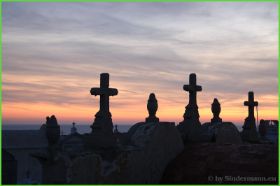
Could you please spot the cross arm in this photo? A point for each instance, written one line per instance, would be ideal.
(95, 91)
(191, 88)
(113, 91)
(102, 91)
(247, 103)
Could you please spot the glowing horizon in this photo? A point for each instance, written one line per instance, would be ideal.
(50, 61)
(85, 114)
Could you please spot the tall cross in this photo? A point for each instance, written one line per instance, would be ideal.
(192, 88)
(104, 92)
(251, 104)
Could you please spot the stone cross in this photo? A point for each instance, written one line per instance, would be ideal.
(251, 104)
(249, 132)
(192, 88)
(104, 92)
(192, 108)
(103, 116)
(73, 129)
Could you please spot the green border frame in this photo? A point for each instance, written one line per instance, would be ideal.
(144, 1)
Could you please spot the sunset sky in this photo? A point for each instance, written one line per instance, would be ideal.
(53, 54)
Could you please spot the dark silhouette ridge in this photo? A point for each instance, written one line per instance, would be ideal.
(142, 154)
(202, 163)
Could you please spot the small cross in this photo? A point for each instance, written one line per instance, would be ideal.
(251, 103)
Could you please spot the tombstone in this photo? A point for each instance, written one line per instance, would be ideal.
(262, 128)
(249, 132)
(268, 130)
(9, 168)
(216, 109)
(152, 107)
(103, 118)
(227, 133)
(102, 136)
(190, 126)
(73, 129)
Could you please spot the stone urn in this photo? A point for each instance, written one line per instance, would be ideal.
(152, 107)
(216, 110)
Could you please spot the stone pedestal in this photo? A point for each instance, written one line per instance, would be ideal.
(190, 130)
(152, 119)
(102, 123)
(249, 132)
(227, 133)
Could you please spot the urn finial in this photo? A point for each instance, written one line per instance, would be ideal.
(152, 107)
(216, 110)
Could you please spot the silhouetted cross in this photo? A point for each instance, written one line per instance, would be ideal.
(192, 88)
(251, 103)
(104, 92)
